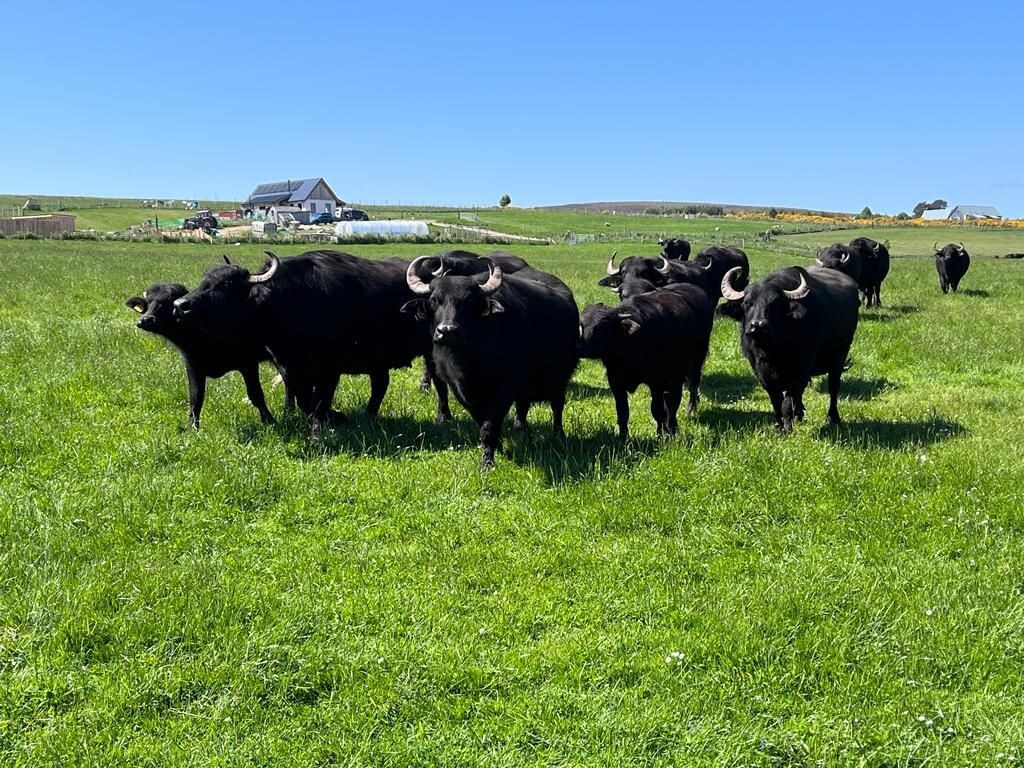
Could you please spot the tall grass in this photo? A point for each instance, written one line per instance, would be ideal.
(242, 596)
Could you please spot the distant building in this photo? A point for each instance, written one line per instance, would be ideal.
(964, 212)
(300, 198)
(940, 214)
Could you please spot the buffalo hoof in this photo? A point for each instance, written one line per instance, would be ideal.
(487, 460)
(784, 427)
(442, 418)
(425, 386)
(268, 418)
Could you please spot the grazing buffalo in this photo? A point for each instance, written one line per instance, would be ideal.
(675, 248)
(204, 356)
(499, 340)
(707, 270)
(874, 266)
(320, 315)
(797, 323)
(952, 262)
(842, 258)
(659, 339)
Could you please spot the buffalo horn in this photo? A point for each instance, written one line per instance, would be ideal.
(961, 246)
(845, 257)
(663, 268)
(227, 260)
(416, 285)
(265, 276)
(440, 267)
(490, 285)
(936, 247)
(728, 292)
(817, 258)
(611, 269)
(799, 292)
(710, 263)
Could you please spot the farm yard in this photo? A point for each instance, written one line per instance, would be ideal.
(244, 595)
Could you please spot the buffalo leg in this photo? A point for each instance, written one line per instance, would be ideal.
(622, 411)
(557, 409)
(490, 435)
(444, 411)
(943, 284)
(878, 296)
(797, 398)
(775, 395)
(196, 394)
(427, 377)
(322, 400)
(379, 381)
(693, 385)
(673, 396)
(522, 409)
(658, 408)
(251, 376)
(954, 284)
(833, 396)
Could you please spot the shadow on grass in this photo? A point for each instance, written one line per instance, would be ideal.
(722, 420)
(727, 386)
(581, 391)
(560, 459)
(887, 314)
(855, 388)
(576, 457)
(384, 437)
(877, 433)
(975, 292)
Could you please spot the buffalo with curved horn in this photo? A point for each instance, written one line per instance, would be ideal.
(499, 340)
(951, 262)
(789, 334)
(707, 270)
(874, 267)
(840, 257)
(319, 315)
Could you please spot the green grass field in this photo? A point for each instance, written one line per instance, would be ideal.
(242, 596)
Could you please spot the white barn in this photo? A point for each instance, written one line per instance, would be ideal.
(964, 212)
(301, 198)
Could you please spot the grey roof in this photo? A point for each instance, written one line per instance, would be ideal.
(979, 211)
(291, 191)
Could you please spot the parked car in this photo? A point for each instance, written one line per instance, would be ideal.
(352, 214)
(322, 218)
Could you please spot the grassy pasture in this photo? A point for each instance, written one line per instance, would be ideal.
(980, 242)
(241, 596)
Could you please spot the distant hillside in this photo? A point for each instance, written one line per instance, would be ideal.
(641, 206)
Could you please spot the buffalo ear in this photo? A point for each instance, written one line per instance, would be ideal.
(610, 281)
(137, 303)
(227, 260)
(492, 307)
(629, 325)
(418, 306)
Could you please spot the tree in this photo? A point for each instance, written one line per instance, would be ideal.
(505, 201)
(866, 213)
(935, 205)
(773, 213)
(902, 216)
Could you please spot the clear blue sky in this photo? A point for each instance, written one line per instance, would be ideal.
(821, 105)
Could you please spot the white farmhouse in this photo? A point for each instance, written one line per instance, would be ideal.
(301, 198)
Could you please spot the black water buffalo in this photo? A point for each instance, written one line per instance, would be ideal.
(797, 323)
(840, 257)
(465, 263)
(636, 267)
(659, 339)
(951, 262)
(633, 286)
(675, 248)
(320, 315)
(204, 356)
(499, 340)
(874, 266)
(708, 269)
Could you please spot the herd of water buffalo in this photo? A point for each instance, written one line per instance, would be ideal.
(499, 333)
